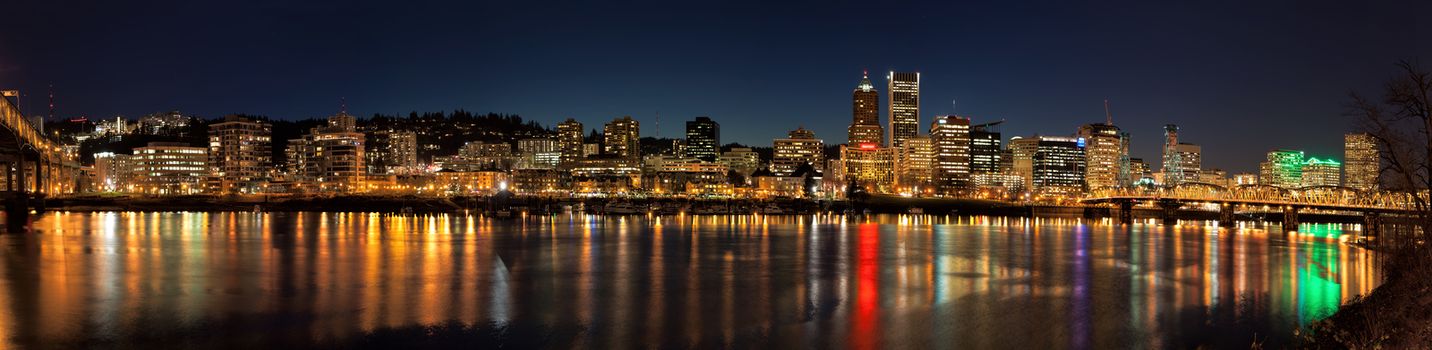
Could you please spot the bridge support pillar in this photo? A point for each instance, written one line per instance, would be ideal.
(1170, 211)
(1370, 223)
(17, 212)
(1226, 217)
(1126, 212)
(1290, 219)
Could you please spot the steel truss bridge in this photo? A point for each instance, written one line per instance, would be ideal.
(1249, 198)
(33, 166)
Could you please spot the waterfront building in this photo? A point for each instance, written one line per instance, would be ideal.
(1284, 168)
(391, 152)
(1104, 149)
(1059, 164)
(951, 136)
(703, 139)
(538, 181)
(569, 142)
(240, 153)
(904, 90)
(915, 166)
(605, 175)
(1321, 172)
(1362, 162)
(621, 138)
(742, 160)
(865, 125)
(113, 172)
(1021, 154)
(1172, 164)
(329, 158)
(986, 149)
(471, 182)
(799, 147)
(870, 167)
(538, 153)
(169, 168)
(1245, 179)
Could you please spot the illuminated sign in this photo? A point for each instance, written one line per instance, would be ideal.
(867, 146)
(1081, 142)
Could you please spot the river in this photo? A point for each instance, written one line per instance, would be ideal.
(283, 280)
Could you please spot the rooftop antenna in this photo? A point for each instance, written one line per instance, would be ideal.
(955, 105)
(1108, 117)
(342, 105)
(658, 124)
(52, 102)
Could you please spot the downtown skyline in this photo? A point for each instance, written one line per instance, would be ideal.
(1045, 70)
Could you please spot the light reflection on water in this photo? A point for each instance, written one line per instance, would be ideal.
(295, 279)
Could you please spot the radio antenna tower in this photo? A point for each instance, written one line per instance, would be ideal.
(1108, 117)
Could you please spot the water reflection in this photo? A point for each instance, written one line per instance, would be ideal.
(234, 279)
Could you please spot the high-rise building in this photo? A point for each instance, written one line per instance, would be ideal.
(904, 90)
(391, 152)
(1284, 168)
(169, 168)
(622, 139)
(1190, 160)
(985, 149)
(1321, 172)
(951, 136)
(869, 166)
(240, 153)
(1139, 171)
(1172, 163)
(915, 167)
(742, 160)
(113, 172)
(570, 142)
(1126, 176)
(865, 126)
(799, 147)
(1021, 154)
(538, 153)
(1362, 161)
(1059, 164)
(330, 158)
(703, 139)
(1104, 149)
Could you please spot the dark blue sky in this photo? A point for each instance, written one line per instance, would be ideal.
(1239, 77)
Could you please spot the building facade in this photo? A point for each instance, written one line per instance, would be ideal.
(703, 139)
(1284, 168)
(1361, 161)
(904, 90)
(799, 147)
(865, 124)
(915, 167)
(621, 138)
(570, 142)
(1321, 172)
(169, 168)
(240, 154)
(1059, 164)
(951, 138)
(1103, 148)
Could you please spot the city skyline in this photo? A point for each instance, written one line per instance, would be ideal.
(1203, 71)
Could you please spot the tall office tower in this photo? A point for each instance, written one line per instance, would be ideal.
(1361, 161)
(1190, 160)
(865, 126)
(904, 113)
(1319, 172)
(1139, 171)
(1103, 148)
(703, 139)
(1059, 164)
(951, 135)
(569, 142)
(985, 149)
(915, 167)
(1127, 176)
(621, 138)
(799, 147)
(240, 151)
(1172, 174)
(1284, 168)
(1021, 154)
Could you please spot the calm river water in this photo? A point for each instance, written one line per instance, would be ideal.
(245, 280)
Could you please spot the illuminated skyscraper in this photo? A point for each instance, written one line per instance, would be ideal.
(904, 90)
(1021, 151)
(1103, 148)
(569, 142)
(1362, 163)
(915, 165)
(1173, 173)
(1059, 164)
(169, 168)
(951, 135)
(1320, 172)
(621, 139)
(799, 147)
(703, 139)
(330, 158)
(865, 126)
(1284, 168)
(985, 149)
(1190, 160)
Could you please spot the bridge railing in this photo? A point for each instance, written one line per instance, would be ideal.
(1324, 196)
(26, 131)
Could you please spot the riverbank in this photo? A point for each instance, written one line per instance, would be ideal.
(1396, 315)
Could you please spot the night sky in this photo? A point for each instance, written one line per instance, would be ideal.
(1239, 77)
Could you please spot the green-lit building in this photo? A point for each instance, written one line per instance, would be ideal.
(1284, 168)
(1321, 172)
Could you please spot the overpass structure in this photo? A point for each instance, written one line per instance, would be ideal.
(1260, 198)
(33, 166)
